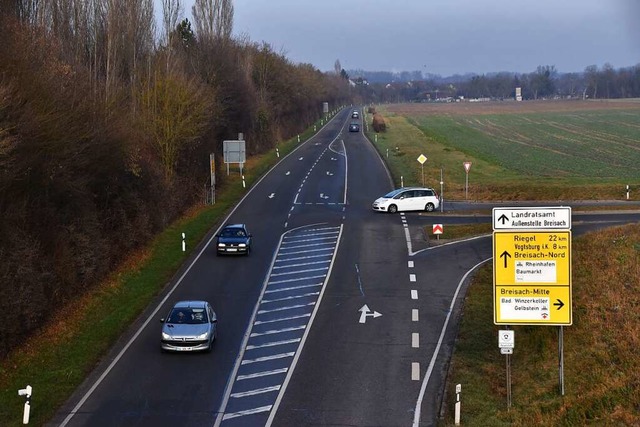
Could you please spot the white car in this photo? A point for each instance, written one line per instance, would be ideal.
(189, 326)
(408, 199)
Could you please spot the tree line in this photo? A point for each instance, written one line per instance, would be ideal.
(545, 82)
(106, 124)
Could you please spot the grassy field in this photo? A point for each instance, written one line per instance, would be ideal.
(602, 367)
(565, 150)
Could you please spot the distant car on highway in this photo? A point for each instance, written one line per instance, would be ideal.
(234, 239)
(189, 326)
(408, 199)
(354, 127)
(355, 115)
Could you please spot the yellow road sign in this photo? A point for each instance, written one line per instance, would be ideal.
(532, 277)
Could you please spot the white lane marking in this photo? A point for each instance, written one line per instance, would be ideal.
(275, 282)
(293, 307)
(415, 371)
(412, 277)
(273, 344)
(267, 358)
(414, 294)
(425, 381)
(281, 319)
(304, 338)
(256, 391)
(300, 258)
(302, 264)
(247, 412)
(262, 374)
(277, 331)
(292, 288)
(313, 250)
(410, 264)
(415, 340)
(289, 273)
(310, 294)
(415, 317)
(313, 245)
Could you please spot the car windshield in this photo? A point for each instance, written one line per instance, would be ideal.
(391, 194)
(233, 232)
(190, 316)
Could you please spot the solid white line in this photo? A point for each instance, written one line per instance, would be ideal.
(267, 358)
(415, 340)
(300, 265)
(301, 257)
(288, 273)
(415, 317)
(261, 374)
(281, 319)
(297, 279)
(423, 388)
(293, 307)
(266, 301)
(278, 331)
(415, 371)
(414, 294)
(256, 391)
(247, 412)
(412, 277)
(292, 288)
(273, 344)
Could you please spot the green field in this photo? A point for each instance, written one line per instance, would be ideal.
(575, 151)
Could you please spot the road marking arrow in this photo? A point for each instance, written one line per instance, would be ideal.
(272, 195)
(287, 173)
(366, 312)
(329, 173)
(323, 196)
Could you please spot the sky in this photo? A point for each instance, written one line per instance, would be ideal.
(445, 37)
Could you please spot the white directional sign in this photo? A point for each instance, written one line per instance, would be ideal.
(550, 218)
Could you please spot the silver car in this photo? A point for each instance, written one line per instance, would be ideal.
(189, 326)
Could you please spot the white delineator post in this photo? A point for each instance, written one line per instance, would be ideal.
(27, 405)
(457, 414)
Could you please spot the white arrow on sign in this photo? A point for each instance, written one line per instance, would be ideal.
(366, 312)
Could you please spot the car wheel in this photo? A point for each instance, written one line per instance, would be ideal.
(429, 208)
(392, 209)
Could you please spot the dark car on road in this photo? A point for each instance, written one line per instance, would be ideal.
(189, 326)
(234, 239)
(354, 127)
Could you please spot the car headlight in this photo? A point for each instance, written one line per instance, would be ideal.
(203, 336)
(166, 336)
(221, 245)
(242, 245)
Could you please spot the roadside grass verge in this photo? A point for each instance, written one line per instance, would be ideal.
(575, 155)
(602, 367)
(56, 359)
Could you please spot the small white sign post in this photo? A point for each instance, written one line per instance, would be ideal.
(467, 168)
(506, 342)
(421, 159)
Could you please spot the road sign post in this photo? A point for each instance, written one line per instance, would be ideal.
(421, 159)
(467, 168)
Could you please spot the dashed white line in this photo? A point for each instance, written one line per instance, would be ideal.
(414, 294)
(415, 371)
(414, 315)
(410, 264)
(412, 277)
(415, 340)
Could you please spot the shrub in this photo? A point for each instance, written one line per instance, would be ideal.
(378, 123)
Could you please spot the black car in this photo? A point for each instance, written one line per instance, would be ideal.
(234, 239)
(354, 127)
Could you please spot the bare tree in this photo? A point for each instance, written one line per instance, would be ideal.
(213, 19)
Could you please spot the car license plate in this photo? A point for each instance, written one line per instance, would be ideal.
(232, 250)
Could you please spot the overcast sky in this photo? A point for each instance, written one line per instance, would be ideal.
(445, 36)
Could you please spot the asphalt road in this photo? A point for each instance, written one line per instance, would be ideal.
(340, 315)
